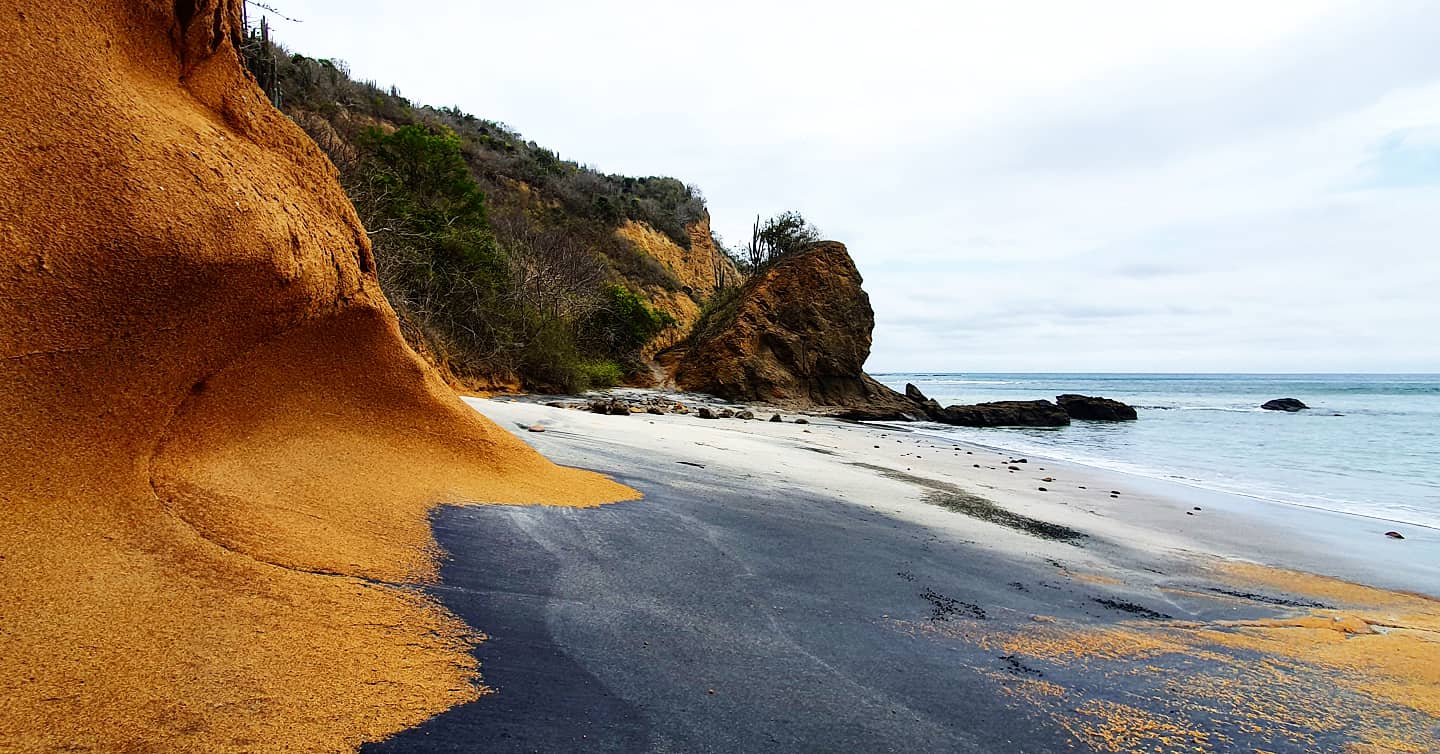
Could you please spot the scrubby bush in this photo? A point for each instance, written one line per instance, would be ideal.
(601, 374)
(500, 256)
(627, 323)
(785, 233)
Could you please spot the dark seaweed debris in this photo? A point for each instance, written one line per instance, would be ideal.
(945, 608)
(1269, 600)
(954, 498)
(1014, 666)
(1130, 607)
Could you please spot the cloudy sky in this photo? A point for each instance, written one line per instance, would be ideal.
(1026, 186)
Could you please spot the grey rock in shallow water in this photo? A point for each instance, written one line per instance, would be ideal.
(1095, 408)
(1008, 414)
(1284, 404)
(998, 414)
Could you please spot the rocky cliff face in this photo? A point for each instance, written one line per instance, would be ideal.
(796, 334)
(700, 269)
(211, 425)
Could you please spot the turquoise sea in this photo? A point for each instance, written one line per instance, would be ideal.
(1370, 444)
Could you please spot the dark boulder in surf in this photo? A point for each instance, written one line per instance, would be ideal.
(1095, 408)
(1007, 414)
(1284, 404)
(999, 414)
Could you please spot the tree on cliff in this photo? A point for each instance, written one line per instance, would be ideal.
(782, 234)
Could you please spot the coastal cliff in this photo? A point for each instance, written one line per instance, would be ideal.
(797, 333)
(219, 450)
(510, 268)
(702, 270)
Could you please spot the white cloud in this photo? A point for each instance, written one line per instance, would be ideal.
(1049, 186)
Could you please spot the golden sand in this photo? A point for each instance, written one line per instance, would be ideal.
(1270, 677)
(210, 423)
(1386, 644)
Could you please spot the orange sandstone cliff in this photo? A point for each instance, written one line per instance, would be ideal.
(218, 453)
(702, 270)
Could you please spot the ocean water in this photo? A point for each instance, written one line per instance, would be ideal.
(1370, 444)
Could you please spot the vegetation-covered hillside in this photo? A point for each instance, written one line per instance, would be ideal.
(506, 264)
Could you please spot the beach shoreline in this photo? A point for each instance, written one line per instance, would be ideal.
(1150, 511)
(787, 586)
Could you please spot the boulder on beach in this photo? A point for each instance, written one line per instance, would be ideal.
(1284, 404)
(1095, 408)
(613, 407)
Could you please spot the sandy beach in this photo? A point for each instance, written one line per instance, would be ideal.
(816, 586)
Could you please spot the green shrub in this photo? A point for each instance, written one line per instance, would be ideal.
(425, 187)
(627, 323)
(599, 374)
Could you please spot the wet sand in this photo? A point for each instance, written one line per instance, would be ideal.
(788, 587)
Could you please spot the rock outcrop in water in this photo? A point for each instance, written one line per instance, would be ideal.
(217, 447)
(796, 334)
(1094, 408)
(1284, 404)
(997, 414)
(1007, 414)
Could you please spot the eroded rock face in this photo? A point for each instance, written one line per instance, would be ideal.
(798, 334)
(210, 422)
(1095, 408)
(700, 269)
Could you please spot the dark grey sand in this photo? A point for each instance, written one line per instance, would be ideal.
(738, 610)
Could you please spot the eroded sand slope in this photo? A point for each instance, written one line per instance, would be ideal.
(210, 426)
